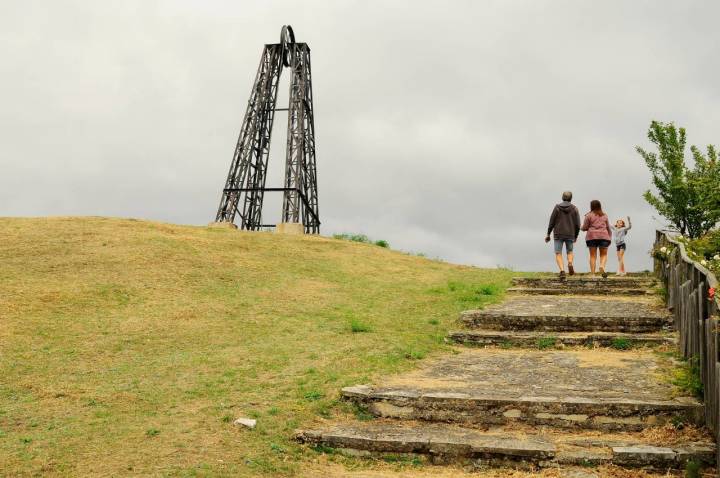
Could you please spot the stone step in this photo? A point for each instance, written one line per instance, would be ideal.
(585, 282)
(570, 314)
(581, 389)
(616, 340)
(446, 444)
(488, 409)
(616, 291)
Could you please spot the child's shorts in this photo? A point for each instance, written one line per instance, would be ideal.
(620, 247)
(559, 245)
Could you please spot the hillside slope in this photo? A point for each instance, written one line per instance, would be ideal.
(128, 347)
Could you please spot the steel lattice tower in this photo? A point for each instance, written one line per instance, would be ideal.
(245, 186)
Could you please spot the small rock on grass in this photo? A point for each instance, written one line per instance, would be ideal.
(245, 422)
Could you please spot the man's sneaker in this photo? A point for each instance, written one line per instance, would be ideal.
(571, 269)
(603, 273)
(562, 275)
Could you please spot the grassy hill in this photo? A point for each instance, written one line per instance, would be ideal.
(128, 347)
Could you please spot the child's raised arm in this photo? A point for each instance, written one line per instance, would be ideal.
(629, 224)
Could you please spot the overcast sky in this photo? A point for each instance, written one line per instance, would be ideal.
(449, 128)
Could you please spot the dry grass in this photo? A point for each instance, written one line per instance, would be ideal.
(668, 435)
(379, 469)
(128, 347)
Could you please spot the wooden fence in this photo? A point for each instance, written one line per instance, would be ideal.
(696, 317)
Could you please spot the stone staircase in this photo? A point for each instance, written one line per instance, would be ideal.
(559, 379)
(583, 285)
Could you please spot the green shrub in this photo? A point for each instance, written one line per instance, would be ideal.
(706, 250)
(352, 237)
(362, 238)
(707, 245)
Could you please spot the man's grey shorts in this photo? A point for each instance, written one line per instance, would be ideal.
(559, 245)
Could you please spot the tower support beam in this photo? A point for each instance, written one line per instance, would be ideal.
(245, 186)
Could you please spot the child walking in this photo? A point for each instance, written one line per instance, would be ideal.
(621, 231)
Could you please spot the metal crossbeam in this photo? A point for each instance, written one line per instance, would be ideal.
(245, 188)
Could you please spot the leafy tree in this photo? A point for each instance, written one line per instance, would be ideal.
(688, 198)
(706, 176)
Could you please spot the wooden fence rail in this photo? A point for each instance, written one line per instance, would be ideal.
(687, 284)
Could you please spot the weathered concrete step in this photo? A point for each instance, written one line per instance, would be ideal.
(585, 282)
(616, 340)
(451, 444)
(616, 291)
(568, 314)
(486, 409)
(561, 323)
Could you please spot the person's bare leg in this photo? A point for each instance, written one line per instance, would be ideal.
(621, 261)
(603, 261)
(593, 259)
(603, 257)
(559, 260)
(570, 258)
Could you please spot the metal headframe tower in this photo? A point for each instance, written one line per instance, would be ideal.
(245, 186)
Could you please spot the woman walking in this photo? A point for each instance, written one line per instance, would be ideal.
(597, 236)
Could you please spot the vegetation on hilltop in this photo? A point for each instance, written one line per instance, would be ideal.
(129, 347)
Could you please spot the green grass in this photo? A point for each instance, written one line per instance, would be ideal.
(687, 377)
(506, 344)
(693, 469)
(402, 459)
(546, 342)
(473, 295)
(129, 347)
(363, 239)
(621, 343)
(357, 326)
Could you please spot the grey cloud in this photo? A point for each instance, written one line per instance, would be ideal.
(449, 128)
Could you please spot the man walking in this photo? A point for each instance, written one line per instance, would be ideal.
(565, 226)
